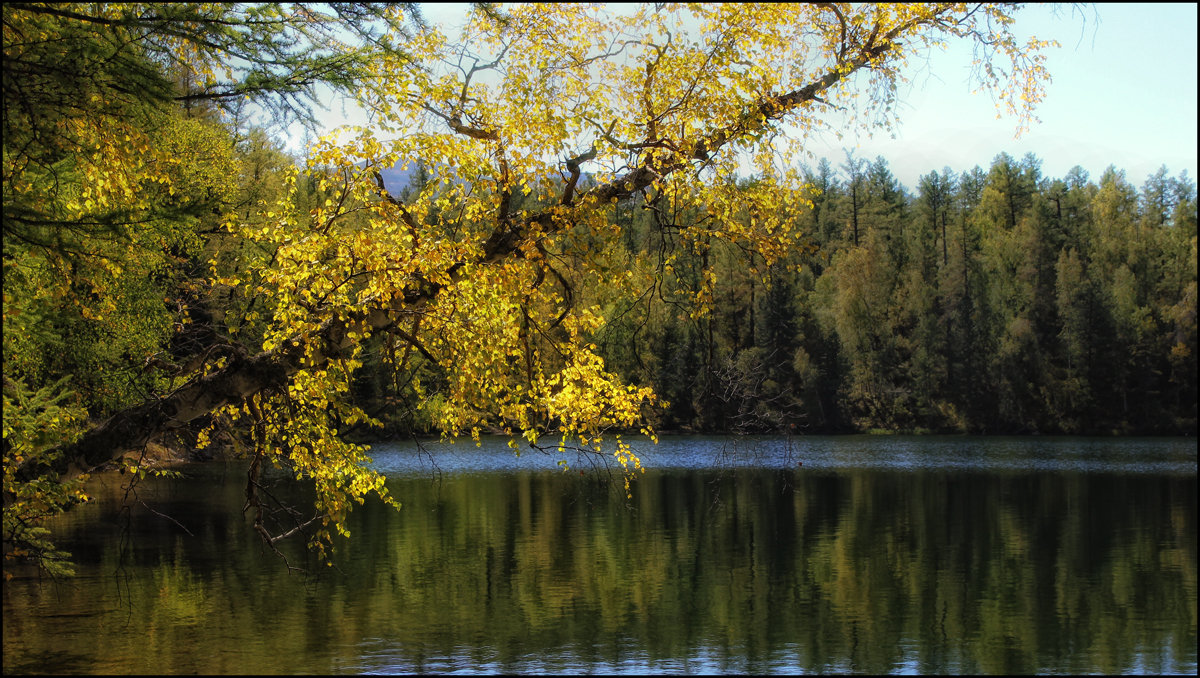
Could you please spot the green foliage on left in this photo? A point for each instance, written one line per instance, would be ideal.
(127, 142)
(35, 424)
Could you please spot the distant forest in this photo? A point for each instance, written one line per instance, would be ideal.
(995, 301)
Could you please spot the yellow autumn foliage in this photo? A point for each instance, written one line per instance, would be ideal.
(533, 129)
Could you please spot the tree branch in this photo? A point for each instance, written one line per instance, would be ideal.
(243, 376)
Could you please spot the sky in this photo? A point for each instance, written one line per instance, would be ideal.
(1123, 93)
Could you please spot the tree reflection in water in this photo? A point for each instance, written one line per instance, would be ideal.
(758, 570)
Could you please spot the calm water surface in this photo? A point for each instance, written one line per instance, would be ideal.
(818, 554)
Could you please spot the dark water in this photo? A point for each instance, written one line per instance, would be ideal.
(841, 554)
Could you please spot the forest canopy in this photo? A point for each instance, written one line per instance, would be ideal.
(595, 203)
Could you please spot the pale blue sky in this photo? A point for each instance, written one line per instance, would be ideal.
(1123, 93)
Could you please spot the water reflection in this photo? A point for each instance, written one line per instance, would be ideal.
(885, 569)
(853, 452)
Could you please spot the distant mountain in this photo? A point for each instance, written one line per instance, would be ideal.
(396, 178)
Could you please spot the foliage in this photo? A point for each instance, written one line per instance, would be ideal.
(485, 271)
(35, 424)
(118, 162)
(995, 302)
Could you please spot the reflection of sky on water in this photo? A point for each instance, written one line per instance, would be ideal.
(1102, 455)
(379, 656)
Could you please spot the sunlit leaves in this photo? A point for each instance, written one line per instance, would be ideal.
(532, 130)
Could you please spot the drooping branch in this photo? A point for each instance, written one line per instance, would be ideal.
(245, 375)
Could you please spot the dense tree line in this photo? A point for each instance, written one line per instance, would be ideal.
(997, 301)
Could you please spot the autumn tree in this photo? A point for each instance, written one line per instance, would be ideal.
(538, 126)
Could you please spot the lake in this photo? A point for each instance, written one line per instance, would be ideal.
(871, 554)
